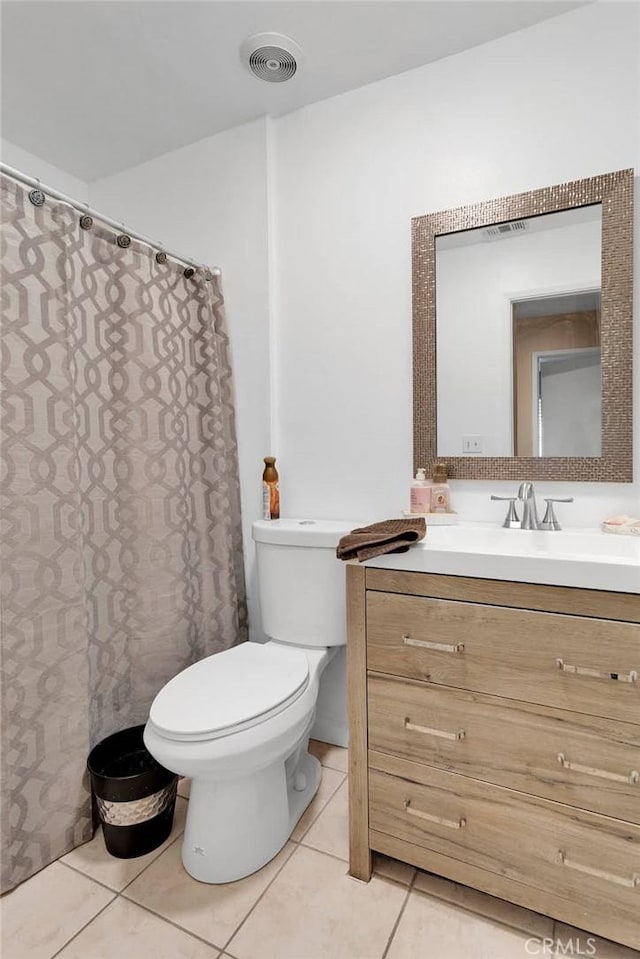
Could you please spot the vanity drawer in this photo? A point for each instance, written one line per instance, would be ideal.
(573, 758)
(572, 662)
(581, 856)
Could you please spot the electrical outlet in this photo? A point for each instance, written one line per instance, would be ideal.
(472, 444)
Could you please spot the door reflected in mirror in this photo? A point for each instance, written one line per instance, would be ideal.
(557, 376)
(518, 337)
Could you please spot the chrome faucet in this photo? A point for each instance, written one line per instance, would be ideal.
(530, 520)
(527, 495)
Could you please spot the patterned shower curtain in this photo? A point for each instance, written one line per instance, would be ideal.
(121, 549)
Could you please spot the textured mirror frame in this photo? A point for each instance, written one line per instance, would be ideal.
(615, 192)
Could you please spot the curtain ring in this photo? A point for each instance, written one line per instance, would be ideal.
(37, 197)
(86, 221)
(123, 240)
(161, 256)
(208, 275)
(188, 273)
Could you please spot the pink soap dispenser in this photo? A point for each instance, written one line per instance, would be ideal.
(420, 497)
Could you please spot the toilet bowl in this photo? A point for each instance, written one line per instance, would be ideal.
(237, 723)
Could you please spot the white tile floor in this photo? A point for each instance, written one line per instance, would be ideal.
(302, 905)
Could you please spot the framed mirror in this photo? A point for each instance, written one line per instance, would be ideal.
(522, 334)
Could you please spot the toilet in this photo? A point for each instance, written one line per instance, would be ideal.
(237, 723)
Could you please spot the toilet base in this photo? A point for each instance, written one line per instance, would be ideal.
(235, 826)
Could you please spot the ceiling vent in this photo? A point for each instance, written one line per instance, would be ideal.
(271, 56)
(505, 229)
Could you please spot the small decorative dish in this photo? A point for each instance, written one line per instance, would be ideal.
(622, 526)
(435, 519)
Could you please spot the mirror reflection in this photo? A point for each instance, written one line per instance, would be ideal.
(518, 337)
(557, 376)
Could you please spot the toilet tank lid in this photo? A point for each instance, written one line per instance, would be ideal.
(317, 533)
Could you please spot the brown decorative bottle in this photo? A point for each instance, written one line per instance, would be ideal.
(440, 490)
(270, 489)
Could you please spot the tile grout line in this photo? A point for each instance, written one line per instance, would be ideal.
(118, 895)
(332, 855)
(336, 769)
(194, 934)
(314, 821)
(84, 875)
(396, 882)
(171, 922)
(345, 862)
(480, 913)
(399, 916)
(105, 885)
(328, 765)
(82, 929)
(154, 860)
(323, 852)
(259, 899)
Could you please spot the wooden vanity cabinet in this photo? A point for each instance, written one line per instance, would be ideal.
(495, 740)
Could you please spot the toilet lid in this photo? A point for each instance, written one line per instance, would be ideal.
(230, 690)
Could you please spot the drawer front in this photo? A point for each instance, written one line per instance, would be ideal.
(592, 859)
(571, 662)
(572, 758)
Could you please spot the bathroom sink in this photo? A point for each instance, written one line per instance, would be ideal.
(585, 558)
(584, 544)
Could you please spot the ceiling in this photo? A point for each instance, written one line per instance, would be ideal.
(95, 87)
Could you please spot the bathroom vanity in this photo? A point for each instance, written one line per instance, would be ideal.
(495, 723)
(494, 673)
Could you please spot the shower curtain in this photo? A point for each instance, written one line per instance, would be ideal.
(121, 549)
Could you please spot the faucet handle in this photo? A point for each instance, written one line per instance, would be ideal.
(550, 521)
(512, 520)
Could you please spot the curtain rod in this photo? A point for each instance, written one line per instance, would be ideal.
(86, 209)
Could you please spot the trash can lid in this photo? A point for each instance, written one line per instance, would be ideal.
(230, 691)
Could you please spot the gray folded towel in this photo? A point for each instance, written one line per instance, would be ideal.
(388, 536)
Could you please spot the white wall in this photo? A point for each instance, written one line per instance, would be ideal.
(475, 285)
(556, 102)
(209, 202)
(39, 169)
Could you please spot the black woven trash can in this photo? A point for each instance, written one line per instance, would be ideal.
(134, 795)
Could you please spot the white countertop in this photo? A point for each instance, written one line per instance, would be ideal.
(585, 558)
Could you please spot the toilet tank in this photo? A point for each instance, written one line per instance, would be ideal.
(301, 584)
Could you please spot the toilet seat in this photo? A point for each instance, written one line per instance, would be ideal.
(230, 691)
